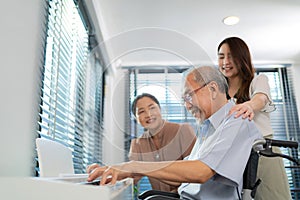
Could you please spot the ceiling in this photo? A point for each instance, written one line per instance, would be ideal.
(185, 32)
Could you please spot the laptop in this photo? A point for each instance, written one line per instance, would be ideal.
(56, 161)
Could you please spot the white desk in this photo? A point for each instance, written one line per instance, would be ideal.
(17, 188)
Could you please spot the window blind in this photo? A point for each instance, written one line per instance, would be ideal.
(166, 86)
(71, 95)
(291, 126)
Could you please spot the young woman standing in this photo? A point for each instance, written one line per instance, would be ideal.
(253, 99)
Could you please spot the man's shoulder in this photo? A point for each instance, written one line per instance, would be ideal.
(241, 124)
(231, 120)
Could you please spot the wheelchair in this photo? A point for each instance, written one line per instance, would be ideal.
(261, 147)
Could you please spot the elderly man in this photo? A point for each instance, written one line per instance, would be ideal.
(214, 169)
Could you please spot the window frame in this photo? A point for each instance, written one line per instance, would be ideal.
(71, 105)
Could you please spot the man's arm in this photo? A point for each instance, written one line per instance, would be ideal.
(169, 171)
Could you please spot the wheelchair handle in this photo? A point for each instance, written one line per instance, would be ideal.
(271, 142)
(282, 143)
(264, 147)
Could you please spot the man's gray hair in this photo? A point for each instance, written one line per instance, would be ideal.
(207, 74)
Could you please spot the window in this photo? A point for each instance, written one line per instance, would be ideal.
(71, 96)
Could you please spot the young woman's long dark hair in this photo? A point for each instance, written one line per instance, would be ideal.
(242, 59)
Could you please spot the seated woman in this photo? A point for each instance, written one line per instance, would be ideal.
(162, 140)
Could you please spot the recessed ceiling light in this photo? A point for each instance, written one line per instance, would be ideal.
(231, 20)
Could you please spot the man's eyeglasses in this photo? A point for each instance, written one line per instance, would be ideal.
(189, 96)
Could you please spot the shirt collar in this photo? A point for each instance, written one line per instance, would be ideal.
(217, 118)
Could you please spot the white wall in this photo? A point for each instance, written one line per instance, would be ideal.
(114, 118)
(20, 51)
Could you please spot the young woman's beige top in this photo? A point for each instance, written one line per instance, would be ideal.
(260, 84)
